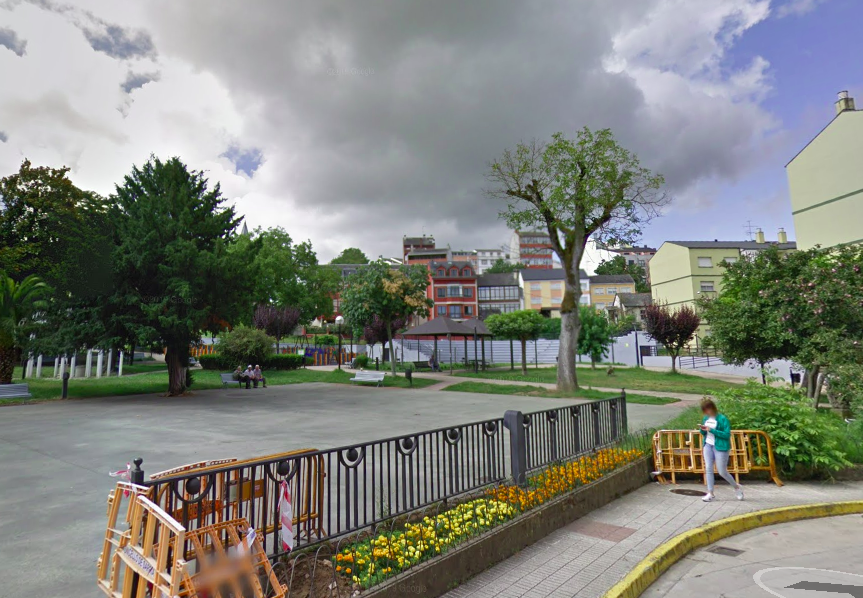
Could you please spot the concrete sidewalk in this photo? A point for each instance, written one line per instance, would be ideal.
(819, 553)
(586, 558)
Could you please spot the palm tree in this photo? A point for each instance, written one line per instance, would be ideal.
(19, 301)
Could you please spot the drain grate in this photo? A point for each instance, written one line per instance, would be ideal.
(725, 551)
(687, 492)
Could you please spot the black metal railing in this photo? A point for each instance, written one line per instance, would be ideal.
(340, 491)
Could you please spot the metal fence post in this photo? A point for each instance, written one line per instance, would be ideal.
(624, 415)
(136, 476)
(514, 421)
(65, 392)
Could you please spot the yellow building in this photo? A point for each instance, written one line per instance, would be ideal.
(683, 271)
(542, 289)
(605, 287)
(826, 182)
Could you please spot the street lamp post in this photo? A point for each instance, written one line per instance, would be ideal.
(339, 321)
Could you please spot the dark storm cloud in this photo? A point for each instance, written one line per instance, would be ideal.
(117, 42)
(137, 80)
(398, 107)
(10, 40)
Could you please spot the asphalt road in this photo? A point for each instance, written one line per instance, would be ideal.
(55, 457)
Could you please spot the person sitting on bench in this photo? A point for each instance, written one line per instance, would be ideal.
(259, 377)
(433, 364)
(248, 375)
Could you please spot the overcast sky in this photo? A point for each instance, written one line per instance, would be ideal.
(354, 123)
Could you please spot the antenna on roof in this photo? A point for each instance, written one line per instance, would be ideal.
(749, 230)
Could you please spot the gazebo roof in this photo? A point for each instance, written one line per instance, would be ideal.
(478, 325)
(440, 326)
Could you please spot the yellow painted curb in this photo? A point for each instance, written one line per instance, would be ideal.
(664, 556)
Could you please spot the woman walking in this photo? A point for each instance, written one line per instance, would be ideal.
(716, 431)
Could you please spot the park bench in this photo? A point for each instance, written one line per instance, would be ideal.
(421, 365)
(14, 391)
(363, 376)
(228, 378)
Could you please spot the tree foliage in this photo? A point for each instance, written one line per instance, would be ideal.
(351, 255)
(501, 266)
(277, 322)
(376, 331)
(522, 326)
(618, 265)
(387, 292)
(19, 304)
(175, 275)
(589, 187)
(673, 329)
(244, 346)
(596, 335)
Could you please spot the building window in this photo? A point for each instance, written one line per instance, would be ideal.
(705, 262)
(556, 286)
(454, 291)
(441, 272)
(598, 291)
(600, 306)
(707, 286)
(536, 286)
(453, 271)
(466, 272)
(584, 300)
(455, 311)
(467, 292)
(536, 300)
(441, 310)
(441, 292)
(611, 290)
(468, 310)
(625, 289)
(730, 260)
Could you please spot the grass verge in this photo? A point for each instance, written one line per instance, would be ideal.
(538, 391)
(634, 378)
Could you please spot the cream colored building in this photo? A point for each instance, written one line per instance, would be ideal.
(605, 287)
(683, 271)
(826, 182)
(542, 289)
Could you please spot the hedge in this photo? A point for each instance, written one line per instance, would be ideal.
(216, 361)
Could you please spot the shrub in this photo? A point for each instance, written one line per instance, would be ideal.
(215, 361)
(805, 440)
(287, 361)
(244, 345)
(362, 361)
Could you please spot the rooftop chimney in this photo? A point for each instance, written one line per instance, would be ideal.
(759, 236)
(783, 236)
(844, 103)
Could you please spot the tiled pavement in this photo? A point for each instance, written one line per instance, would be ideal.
(586, 558)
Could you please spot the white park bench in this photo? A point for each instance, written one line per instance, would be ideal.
(14, 391)
(364, 376)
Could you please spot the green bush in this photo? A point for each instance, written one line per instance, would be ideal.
(214, 361)
(550, 328)
(244, 345)
(287, 361)
(362, 361)
(806, 441)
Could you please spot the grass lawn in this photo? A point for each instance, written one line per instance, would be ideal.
(144, 367)
(538, 391)
(628, 378)
(157, 382)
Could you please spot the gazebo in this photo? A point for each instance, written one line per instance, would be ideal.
(479, 330)
(443, 326)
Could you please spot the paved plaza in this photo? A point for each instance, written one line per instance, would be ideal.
(587, 557)
(804, 559)
(55, 456)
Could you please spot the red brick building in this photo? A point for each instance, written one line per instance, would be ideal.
(532, 248)
(453, 289)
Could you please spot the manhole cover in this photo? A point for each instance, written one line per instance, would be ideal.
(725, 551)
(686, 492)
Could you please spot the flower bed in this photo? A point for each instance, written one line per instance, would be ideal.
(384, 555)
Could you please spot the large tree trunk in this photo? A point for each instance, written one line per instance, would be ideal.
(177, 360)
(570, 319)
(523, 357)
(7, 364)
(673, 362)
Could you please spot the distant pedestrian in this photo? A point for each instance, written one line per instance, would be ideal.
(259, 377)
(433, 364)
(716, 431)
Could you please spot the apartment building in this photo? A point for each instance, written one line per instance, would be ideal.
(487, 257)
(637, 255)
(532, 248)
(542, 289)
(630, 304)
(411, 244)
(605, 287)
(825, 180)
(683, 271)
(498, 293)
(427, 256)
(453, 289)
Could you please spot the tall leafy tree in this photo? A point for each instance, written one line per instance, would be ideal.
(522, 326)
(596, 335)
(587, 187)
(673, 329)
(278, 322)
(618, 265)
(19, 302)
(174, 273)
(387, 293)
(351, 255)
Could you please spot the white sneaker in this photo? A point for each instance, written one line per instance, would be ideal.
(739, 492)
(707, 497)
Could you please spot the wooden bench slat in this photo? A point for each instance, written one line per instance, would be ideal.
(15, 391)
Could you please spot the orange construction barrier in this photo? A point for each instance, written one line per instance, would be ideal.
(679, 452)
